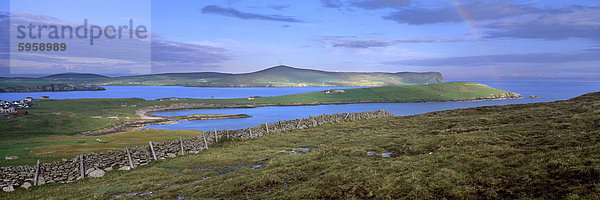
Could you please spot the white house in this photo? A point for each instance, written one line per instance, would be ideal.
(7, 109)
(334, 91)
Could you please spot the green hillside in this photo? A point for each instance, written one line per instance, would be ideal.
(448, 91)
(74, 76)
(278, 76)
(289, 76)
(527, 151)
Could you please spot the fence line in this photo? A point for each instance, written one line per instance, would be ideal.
(76, 168)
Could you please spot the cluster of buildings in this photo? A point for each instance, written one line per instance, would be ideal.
(10, 107)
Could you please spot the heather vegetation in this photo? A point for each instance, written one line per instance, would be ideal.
(543, 150)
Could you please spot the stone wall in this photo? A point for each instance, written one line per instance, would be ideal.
(66, 171)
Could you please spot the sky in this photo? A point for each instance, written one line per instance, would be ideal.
(464, 40)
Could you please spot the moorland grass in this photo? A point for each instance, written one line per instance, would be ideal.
(529, 151)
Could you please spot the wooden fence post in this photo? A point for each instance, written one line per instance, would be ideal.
(347, 114)
(250, 131)
(298, 126)
(267, 126)
(129, 156)
(37, 173)
(181, 142)
(227, 130)
(216, 138)
(153, 152)
(199, 142)
(281, 128)
(205, 143)
(81, 167)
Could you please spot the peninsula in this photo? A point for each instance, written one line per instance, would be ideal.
(54, 87)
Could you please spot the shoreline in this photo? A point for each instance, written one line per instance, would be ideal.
(124, 127)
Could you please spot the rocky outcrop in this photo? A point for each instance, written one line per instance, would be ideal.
(498, 96)
(51, 88)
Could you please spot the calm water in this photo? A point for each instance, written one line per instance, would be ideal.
(548, 91)
(156, 92)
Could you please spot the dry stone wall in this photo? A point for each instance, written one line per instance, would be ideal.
(70, 170)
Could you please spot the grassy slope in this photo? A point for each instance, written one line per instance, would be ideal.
(67, 117)
(431, 92)
(56, 147)
(51, 122)
(543, 150)
(16, 82)
(409, 93)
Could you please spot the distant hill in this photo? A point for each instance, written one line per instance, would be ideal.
(281, 76)
(278, 76)
(49, 88)
(76, 76)
(289, 76)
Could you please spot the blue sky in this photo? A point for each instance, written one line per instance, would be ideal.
(465, 40)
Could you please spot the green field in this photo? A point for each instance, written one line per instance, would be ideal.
(51, 118)
(53, 122)
(528, 151)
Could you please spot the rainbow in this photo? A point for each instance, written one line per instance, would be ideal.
(468, 20)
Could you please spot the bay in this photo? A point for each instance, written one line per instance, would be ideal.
(156, 92)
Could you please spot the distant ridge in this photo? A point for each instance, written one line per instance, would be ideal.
(285, 68)
(277, 76)
(75, 75)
